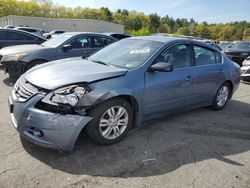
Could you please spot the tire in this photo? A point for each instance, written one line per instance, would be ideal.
(96, 130)
(224, 91)
(34, 63)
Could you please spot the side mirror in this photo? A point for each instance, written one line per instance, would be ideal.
(161, 67)
(67, 47)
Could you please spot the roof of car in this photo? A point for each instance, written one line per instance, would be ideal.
(163, 39)
(20, 31)
(166, 39)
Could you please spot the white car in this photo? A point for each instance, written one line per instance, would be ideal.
(245, 70)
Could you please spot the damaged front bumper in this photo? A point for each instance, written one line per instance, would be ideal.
(44, 128)
(14, 68)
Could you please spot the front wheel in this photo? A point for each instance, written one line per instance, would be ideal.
(112, 121)
(221, 97)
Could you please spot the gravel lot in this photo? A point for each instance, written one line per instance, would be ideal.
(201, 148)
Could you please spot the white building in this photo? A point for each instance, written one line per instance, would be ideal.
(49, 24)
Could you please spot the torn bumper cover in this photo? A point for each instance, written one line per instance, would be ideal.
(14, 68)
(44, 128)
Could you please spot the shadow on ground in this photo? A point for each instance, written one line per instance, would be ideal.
(9, 81)
(159, 146)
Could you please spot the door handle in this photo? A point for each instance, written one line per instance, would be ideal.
(188, 78)
(220, 71)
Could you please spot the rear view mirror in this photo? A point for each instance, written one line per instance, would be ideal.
(161, 67)
(66, 47)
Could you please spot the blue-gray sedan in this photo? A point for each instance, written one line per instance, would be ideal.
(120, 86)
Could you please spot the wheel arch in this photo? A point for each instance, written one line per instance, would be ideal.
(231, 87)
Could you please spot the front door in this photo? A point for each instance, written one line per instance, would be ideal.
(81, 46)
(165, 91)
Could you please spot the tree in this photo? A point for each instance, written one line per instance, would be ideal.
(154, 21)
(108, 14)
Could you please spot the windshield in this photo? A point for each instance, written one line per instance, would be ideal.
(57, 41)
(241, 45)
(128, 54)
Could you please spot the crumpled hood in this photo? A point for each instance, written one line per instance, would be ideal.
(63, 72)
(27, 48)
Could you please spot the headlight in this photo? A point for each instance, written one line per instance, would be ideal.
(13, 57)
(68, 95)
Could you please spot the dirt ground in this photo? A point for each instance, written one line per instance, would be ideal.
(201, 148)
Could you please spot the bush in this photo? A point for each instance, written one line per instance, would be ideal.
(142, 32)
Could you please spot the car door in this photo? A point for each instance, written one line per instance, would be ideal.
(166, 91)
(208, 71)
(80, 46)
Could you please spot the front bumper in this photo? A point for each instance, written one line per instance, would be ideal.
(245, 73)
(14, 68)
(58, 131)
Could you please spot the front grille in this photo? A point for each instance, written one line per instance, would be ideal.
(24, 90)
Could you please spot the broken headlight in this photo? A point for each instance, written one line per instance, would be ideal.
(68, 95)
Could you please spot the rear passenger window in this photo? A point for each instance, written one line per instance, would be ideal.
(205, 56)
(101, 41)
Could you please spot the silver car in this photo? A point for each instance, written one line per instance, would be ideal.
(245, 70)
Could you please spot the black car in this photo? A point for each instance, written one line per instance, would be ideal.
(118, 36)
(18, 59)
(10, 37)
(238, 51)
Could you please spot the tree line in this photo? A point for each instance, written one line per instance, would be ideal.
(136, 23)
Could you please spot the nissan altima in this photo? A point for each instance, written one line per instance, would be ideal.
(118, 88)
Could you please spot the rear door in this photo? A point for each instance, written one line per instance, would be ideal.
(209, 71)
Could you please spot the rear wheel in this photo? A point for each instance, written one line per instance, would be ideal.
(221, 97)
(112, 121)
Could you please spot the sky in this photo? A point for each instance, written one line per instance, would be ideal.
(211, 11)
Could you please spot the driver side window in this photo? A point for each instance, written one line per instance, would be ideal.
(81, 42)
(179, 56)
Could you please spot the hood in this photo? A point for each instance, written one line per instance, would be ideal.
(20, 49)
(63, 72)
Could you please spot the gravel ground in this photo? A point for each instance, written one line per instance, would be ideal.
(201, 148)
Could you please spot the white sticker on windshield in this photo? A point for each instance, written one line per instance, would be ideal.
(140, 51)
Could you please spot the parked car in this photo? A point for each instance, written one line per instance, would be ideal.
(245, 70)
(34, 31)
(118, 36)
(224, 44)
(118, 87)
(52, 34)
(18, 59)
(238, 51)
(10, 37)
(9, 27)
